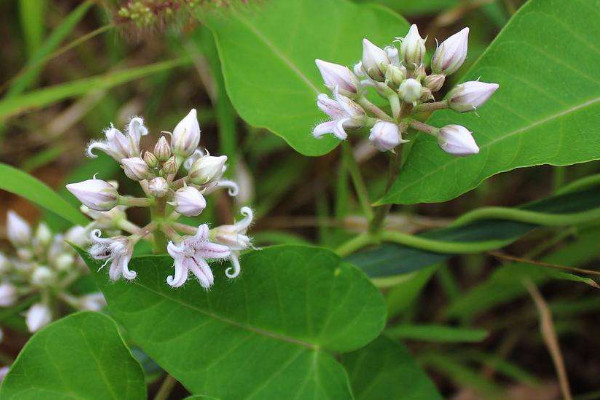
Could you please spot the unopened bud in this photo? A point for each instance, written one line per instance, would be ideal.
(410, 90)
(393, 55)
(5, 264)
(17, 229)
(340, 77)
(43, 235)
(42, 276)
(64, 262)
(97, 194)
(170, 166)
(8, 295)
(189, 201)
(457, 140)
(207, 169)
(451, 54)
(150, 159)
(162, 149)
(395, 75)
(38, 316)
(426, 95)
(25, 254)
(158, 187)
(92, 302)
(374, 60)
(470, 95)
(186, 135)
(413, 48)
(135, 168)
(434, 82)
(385, 136)
(77, 235)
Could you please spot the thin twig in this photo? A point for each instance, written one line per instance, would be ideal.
(165, 388)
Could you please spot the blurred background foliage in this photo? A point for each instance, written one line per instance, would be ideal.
(71, 67)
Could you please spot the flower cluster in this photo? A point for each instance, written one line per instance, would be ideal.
(44, 265)
(401, 77)
(176, 176)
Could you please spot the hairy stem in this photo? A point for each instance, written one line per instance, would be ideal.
(420, 126)
(374, 109)
(438, 105)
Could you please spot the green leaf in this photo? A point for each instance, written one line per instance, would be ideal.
(81, 356)
(436, 333)
(386, 370)
(32, 13)
(28, 187)
(262, 335)
(546, 111)
(268, 51)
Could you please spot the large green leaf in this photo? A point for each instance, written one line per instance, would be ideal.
(262, 335)
(268, 54)
(81, 356)
(547, 110)
(386, 370)
(25, 185)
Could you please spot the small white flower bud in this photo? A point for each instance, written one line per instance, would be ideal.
(470, 95)
(170, 166)
(374, 60)
(135, 168)
(43, 235)
(42, 276)
(92, 302)
(158, 187)
(413, 48)
(25, 254)
(64, 262)
(38, 316)
(410, 90)
(335, 75)
(207, 169)
(434, 82)
(189, 201)
(150, 159)
(451, 54)
(385, 136)
(162, 149)
(8, 295)
(186, 135)
(97, 194)
(395, 75)
(457, 140)
(77, 235)
(17, 229)
(393, 55)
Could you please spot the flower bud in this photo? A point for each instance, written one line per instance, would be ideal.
(451, 54)
(77, 235)
(413, 48)
(410, 90)
(470, 95)
(170, 166)
(207, 169)
(393, 55)
(374, 60)
(8, 294)
(158, 187)
(395, 75)
(64, 262)
(434, 82)
(25, 254)
(457, 140)
(38, 316)
(150, 159)
(43, 235)
(42, 276)
(5, 264)
(162, 150)
(135, 168)
(189, 201)
(97, 194)
(92, 302)
(186, 135)
(335, 75)
(385, 136)
(18, 230)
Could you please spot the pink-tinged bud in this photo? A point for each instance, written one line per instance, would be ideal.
(162, 150)
(338, 76)
(8, 295)
(38, 316)
(170, 166)
(207, 169)
(410, 90)
(393, 55)
(158, 187)
(97, 194)
(189, 201)
(374, 61)
(330, 106)
(457, 140)
(470, 95)
(18, 230)
(413, 48)
(451, 54)
(385, 136)
(150, 159)
(135, 168)
(434, 82)
(186, 135)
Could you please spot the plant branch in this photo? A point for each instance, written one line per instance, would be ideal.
(357, 180)
(166, 388)
(363, 101)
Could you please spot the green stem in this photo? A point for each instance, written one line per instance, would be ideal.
(166, 388)
(356, 243)
(438, 105)
(135, 201)
(158, 216)
(357, 180)
(395, 105)
(420, 126)
(373, 109)
(439, 246)
(527, 216)
(376, 223)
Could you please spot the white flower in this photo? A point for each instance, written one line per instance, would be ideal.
(158, 186)
(191, 255)
(393, 55)
(451, 54)
(410, 90)
(96, 194)
(92, 302)
(207, 169)
(413, 48)
(8, 294)
(385, 136)
(116, 250)
(17, 229)
(457, 140)
(136, 129)
(186, 135)
(374, 60)
(235, 238)
(344, 113)
(119, 146)
(189, 201)
(162, 150)
(340, 77)
(38, 316)
(470, 95)
(135, 168)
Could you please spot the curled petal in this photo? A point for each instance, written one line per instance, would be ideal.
(323, 128)
(232, 188)
(234, 270)
(98, 145)
(245, 223)
(180, 275)
(201, 233)
(339, 131)
(203, 272)
(213, 251)
(127, 273)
